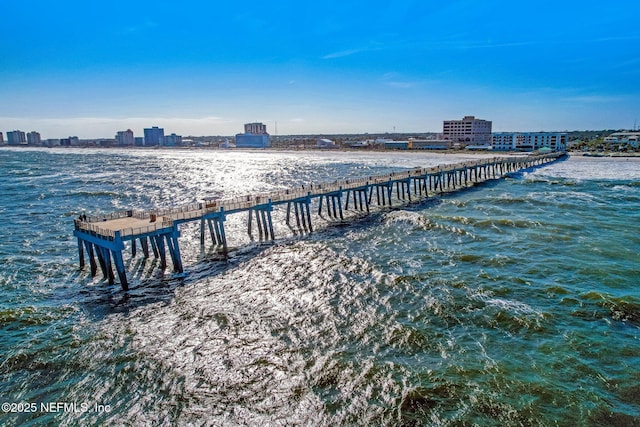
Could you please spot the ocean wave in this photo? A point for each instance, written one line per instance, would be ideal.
(416, 219)
(598, 305)
(514, 315)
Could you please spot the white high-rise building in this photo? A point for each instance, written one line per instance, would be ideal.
(468, 131)
(125, 138)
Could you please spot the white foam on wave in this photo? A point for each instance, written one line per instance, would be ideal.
(589, 168)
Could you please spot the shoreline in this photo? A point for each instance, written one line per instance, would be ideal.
(606, 155)
(480, 154)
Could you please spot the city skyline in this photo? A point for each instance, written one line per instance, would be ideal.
(330, 68)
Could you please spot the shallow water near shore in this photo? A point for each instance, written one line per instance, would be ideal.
(514, 302)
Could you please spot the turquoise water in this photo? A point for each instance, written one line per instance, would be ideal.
(515, 302)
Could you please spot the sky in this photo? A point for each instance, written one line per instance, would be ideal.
(91, 68)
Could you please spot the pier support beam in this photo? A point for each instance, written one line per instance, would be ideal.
(360, 199)
(334, 205)
(302, 212)
(122, 275)
(92, 262)
(264, 220)
(215, 223)
(80, 253)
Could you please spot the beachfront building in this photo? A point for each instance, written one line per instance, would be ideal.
(326, 143)
(125, 138)
(529, 141)
(16, 137)
(418, 144)
(173, 140)
(621, 139)
(429, 144)
(153, 136)
(468, 131)
(1, 138)
(33, 138)
(255, 136)
(69, 142)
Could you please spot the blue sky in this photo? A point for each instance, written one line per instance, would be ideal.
(206, 67)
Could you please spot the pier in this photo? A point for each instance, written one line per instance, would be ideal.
(105, 238)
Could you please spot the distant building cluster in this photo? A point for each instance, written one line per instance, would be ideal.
(472, 133)
(16, 137)
(155, 137)
(618, 140)
(469, 133)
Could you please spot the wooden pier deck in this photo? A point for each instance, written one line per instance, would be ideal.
(159, 228)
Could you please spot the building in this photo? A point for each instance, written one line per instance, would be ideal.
(173, 140)
(255, 128)
(326, 143)
(530, 141)
(621, 139)
(255, 136)
(125, 138)
(16, 137)
(153, 136)
(396, 145)
(418, 144)
(33, 138)
(468, 131)
(429, 144)
(1, 138)
(71, 141)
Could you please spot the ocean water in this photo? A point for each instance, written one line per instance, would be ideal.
(512, 303)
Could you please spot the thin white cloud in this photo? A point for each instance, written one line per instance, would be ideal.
(396, 80)
(401, 85)
(372, 46)
(141, 26)
(594, 99)
(342, 53)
